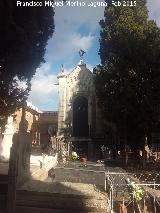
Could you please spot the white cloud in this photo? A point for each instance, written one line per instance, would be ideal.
(61, 49)
(74, 29)
(82, 42)
(43, 88)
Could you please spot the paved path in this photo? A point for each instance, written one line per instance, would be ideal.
(34, 164)
(72, 179)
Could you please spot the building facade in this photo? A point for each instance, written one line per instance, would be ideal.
(79, 118)
(40, 125)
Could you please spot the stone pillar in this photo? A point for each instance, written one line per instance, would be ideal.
(6, 142)
(61, 109)
(39, 138)
(89, 112)
(23, 141)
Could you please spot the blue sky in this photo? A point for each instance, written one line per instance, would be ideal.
(75, 28)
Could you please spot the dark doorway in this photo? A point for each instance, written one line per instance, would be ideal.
(80, 117)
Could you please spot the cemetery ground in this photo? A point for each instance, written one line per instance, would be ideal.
(106, 182)
(94, 187)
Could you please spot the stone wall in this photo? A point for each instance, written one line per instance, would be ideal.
(37, 123)
(47, 120)
(31, 117)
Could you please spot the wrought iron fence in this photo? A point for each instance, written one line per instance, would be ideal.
(133, 192)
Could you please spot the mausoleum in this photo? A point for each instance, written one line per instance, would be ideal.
(79, 118)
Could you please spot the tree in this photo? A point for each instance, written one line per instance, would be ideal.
(24, 32)
(127, 81)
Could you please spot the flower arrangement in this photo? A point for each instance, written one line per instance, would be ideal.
(74, 156)
(137, 191)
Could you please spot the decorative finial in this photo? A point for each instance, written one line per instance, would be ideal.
(61, 74)
(81, 53)
(62, 67)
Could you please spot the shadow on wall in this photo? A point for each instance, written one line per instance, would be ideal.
(19, 162)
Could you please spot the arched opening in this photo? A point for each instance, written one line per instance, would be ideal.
(80, 117)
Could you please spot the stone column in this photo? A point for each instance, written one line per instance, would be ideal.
(61, 112)
(6, 142)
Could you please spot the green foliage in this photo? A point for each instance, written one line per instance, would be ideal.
(127, 81)
(138, 193)
(74, 156)
(24, 32)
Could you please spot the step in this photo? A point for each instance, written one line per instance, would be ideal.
(3, 179)
(40, 174)
(59, 202)
(3, 191)
(44, 200)
(24, 209)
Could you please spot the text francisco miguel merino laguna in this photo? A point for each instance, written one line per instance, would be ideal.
(48, 3)
(38, 3)
(59, 3)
